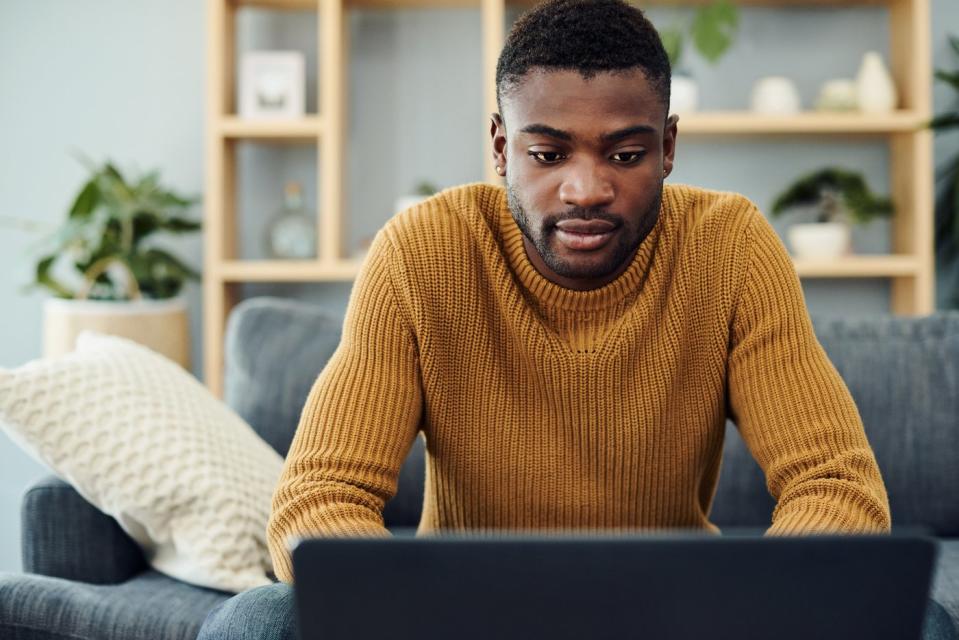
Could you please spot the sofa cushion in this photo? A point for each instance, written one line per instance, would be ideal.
(143, 441)
(275, 349)
(148, 607)
(903, 374)
(945, 585)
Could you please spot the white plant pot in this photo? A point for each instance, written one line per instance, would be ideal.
(819, 240)
(161, 325)
(683, 95)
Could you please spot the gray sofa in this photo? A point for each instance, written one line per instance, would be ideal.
(86, 579)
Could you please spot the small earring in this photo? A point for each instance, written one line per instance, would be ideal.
(499, 169)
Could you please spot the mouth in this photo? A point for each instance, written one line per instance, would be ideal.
(585, 235)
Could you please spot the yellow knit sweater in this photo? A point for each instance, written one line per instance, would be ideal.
(545, 407)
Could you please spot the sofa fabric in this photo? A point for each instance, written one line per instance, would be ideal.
(64, 536)
(150, 606)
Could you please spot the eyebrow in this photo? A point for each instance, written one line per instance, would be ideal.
(613, 136)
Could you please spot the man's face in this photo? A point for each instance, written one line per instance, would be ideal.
(585, 162)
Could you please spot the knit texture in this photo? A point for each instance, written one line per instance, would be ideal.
(550, 408)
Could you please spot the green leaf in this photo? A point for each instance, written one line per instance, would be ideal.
(44, 278)
(861, 204)
(950, 78)
(713, 28)
(86, 201)
(945, 121)
(954, 41)
(672, 39)
(181, 225)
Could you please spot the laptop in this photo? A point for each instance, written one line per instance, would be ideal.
(663, 586)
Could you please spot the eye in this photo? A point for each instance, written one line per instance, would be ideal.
(628, 157)
(546, 157)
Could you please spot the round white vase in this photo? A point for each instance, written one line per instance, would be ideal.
(875, 89)
(775, 96)
(161, 325)
(683, 94)
(819, 240)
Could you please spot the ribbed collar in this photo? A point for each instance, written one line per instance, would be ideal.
(550, 294)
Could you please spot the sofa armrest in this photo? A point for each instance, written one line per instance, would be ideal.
(64, 536)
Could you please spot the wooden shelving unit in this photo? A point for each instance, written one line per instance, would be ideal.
(910, 267)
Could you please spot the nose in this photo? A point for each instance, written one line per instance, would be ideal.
(585, 186)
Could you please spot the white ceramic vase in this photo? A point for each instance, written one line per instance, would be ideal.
(161, 325)
(875, 89)
(683, 94)
(775, 96)
(819, 240)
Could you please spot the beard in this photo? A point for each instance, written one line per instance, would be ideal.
(629, 238)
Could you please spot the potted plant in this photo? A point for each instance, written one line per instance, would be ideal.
(840, 197)
(712, 30)
(947, 202)
(106, 274)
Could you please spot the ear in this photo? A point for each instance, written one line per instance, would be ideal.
(669, 144)
(497, 131)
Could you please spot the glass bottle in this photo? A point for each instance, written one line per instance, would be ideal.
(291, 232)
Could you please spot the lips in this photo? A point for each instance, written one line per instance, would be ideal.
(584, 235)
(578, 225)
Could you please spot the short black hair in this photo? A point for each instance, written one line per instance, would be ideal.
(589, 36)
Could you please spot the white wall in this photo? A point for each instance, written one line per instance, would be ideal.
(125, 80)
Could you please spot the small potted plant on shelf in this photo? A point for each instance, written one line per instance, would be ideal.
(105, 273)
(947, 202)
(839, 197)
(712, 30)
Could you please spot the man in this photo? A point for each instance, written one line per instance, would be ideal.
(572, 345)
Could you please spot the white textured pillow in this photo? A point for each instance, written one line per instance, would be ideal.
(145, 442)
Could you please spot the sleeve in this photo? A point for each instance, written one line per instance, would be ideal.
(793, 410)
(358, 424)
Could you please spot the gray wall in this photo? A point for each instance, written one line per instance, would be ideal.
(125, 80)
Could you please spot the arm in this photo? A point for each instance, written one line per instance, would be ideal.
(359, 422)
(792, 408)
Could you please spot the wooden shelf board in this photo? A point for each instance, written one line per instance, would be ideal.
(743, 122)
(311, 5)
(859, 266)
(288, 5)
(289, 270)
(307, 129)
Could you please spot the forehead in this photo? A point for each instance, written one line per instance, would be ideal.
(565, 99)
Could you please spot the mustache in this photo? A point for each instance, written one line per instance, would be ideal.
(582, 213)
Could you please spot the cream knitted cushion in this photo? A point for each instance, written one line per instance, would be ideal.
(145, 442)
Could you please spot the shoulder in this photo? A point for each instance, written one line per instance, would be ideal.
(444, 217)
(725, 213)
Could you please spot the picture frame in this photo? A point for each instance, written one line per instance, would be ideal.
(272, 85)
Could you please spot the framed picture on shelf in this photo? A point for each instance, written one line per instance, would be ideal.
(272, 85)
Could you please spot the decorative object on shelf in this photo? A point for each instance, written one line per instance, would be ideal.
(291, 232)
(838, 94)
(947, 201)
(108, 277)
(876, 91)
(422, 191)
(840, 197)
(272, 85)
(775, 95)
(712, 31)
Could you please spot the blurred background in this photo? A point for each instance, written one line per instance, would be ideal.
(126, 82)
